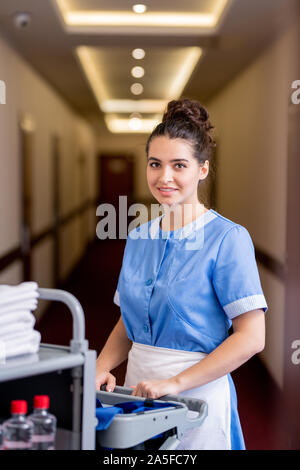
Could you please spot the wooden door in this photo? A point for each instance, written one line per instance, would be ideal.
(116, 178)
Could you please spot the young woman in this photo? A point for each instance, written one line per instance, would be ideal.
(186, 277)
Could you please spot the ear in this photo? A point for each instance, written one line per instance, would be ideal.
(204, 170)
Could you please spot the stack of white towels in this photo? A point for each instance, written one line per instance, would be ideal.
(17, 336)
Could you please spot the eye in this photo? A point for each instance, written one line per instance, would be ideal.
(153, 163)
(180, 165)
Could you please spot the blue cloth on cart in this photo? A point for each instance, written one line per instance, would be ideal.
(141, 406)
(105, 415)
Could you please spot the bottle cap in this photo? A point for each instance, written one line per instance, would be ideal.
(41, 401)
(18, 407)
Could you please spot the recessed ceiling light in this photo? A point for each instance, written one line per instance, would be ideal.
(135, 115)
(131, 106)
(139, 8)
(137, 89)
(79, 18)
(118, 125)
(137, 72)
(138, 54)
(135, 124)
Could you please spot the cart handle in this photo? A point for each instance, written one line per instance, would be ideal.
(78, 342)
(193, 404)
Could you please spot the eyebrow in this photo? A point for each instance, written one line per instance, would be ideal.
(175, 160)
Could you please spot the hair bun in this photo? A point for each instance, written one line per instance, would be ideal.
(189, 110)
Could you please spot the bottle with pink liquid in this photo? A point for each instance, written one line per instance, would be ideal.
(44, 424)
(18, 430)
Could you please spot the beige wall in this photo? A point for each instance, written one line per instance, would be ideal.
(251, 119)
(28, 93)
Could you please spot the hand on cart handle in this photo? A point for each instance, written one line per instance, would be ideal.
(105, 377)
(155, 388)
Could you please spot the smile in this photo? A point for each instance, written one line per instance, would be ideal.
(167, 190)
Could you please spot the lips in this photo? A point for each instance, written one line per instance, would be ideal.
(168, 189)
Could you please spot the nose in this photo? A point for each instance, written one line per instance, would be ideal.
(166, 175)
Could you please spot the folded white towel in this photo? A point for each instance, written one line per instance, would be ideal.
(6, 300)
(23, 292)
(29, 305)
(15, 330)
(23, 287)
(29, 343)
(25, 338)
(20, 316)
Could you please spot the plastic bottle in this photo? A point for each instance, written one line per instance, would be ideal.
(18, 430)
(44, 424)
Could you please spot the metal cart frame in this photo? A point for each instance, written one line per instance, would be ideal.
(124, 431)
(78, 358)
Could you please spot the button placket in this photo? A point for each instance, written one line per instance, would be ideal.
(150, 283)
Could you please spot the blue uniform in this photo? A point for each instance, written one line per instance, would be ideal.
(181, 289)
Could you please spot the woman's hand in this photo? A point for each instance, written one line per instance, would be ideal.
(105, 377)
(155, 388)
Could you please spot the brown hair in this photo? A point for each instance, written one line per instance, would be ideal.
(188, 120)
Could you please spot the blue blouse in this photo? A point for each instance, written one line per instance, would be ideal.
(181, 289)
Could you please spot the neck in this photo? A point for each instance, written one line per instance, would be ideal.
(177, 216)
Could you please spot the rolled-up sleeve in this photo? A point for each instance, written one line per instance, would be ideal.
(117, 298)
(235, 277)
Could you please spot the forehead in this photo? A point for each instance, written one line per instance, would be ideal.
(164, 148)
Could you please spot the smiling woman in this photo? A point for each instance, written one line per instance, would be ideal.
(178, 298)
(178, 152)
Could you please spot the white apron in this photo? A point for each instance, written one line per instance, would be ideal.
(156, 363)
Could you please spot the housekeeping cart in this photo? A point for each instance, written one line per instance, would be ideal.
(148, 424)
(67, 375)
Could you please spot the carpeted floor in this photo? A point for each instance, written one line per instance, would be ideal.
(94, 282)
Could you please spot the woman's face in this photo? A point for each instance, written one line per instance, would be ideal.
(173, 172)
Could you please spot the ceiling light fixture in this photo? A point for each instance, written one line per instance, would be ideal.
(90, 20)
(113, 107)
(137, 72)
(185, 72)
(138, 54)
(135, 124)
(137, 89)
(131, 106)
(139, 8)
(156, 20)
(123, 126)
(109, 105)
(92, 73)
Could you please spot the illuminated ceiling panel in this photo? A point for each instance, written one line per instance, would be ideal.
(161, 16)
(164, 71)
(167, 71)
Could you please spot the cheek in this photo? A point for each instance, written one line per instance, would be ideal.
(188, 180)
(150, 177)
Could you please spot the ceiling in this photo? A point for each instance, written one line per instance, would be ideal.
(84, 49)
